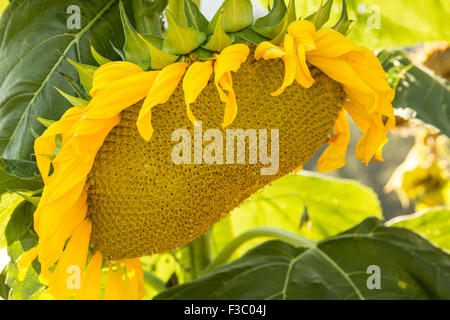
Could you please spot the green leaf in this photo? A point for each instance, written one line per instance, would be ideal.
(219, 40)
(194, 17)
(321, 16)
(148, 14)
(290, 17)
(237, 15)
(136, 48)
(419, 89)
(46, 122)
(22, 290)
(176, 7)
(179, 39)
(274, 17)
(431, 223)
(4, 288)
(160, 58)
(98, 57)
(249, 35)
(16, 217)
(13, 183)
(344, 23)
(85, 72)
(401, 22)
(34, 44)
(332, 205)
(73, 100)
(335, 268)
(203, 54)
(22, 169)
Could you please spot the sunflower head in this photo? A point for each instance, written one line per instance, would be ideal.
(275, 88)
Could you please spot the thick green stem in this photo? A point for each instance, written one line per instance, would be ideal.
(284, 235)
(199, 256)
(155, 282)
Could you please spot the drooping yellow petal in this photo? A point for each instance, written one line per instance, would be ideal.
(120, 94)
(55, 229)
(92, 280)
(66, 279)
(332, 44)
(290, 64)
(24, 261)
(303, 75)
(44, 145)
(114, 285)
(161, 90)
(334, 156)
(267, 51)
(230, 59)
(374, 138)
(112, 71)
(195, 80)
(303, 32)
(340, 71)
(134, 279)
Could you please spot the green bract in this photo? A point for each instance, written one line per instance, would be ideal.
(188, 31)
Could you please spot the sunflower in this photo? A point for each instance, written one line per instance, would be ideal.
(112, 193)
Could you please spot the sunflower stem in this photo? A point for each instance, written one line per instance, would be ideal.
(200, 254)
(266, 232)
(155, 282)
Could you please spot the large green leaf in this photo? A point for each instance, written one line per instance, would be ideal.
(401, 22)
(22, 290)
(34, 43)
(335, 268)
(11, 183)
(431, 223)
(327, 206)
(419, 89)
(16, 217)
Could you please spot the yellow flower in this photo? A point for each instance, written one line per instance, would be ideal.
(62, 221)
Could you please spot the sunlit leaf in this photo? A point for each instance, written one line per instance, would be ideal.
(431, 223)
(407, 266)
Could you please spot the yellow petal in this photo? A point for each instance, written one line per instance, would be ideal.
(334, 156)
(303, 75)
(290, 64)
(112, 71)
(56, 228)
(73, 259)
(195, 80)
(332, 44)
(114, 285)
(134, 279)
(374, 138)
(120, 94)
(45, 144)
(92, 280)
(25, 260)
(358, 114)
(303, 32)
(267, 51)
(161, 90)
(341, 71)
(230, 59)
